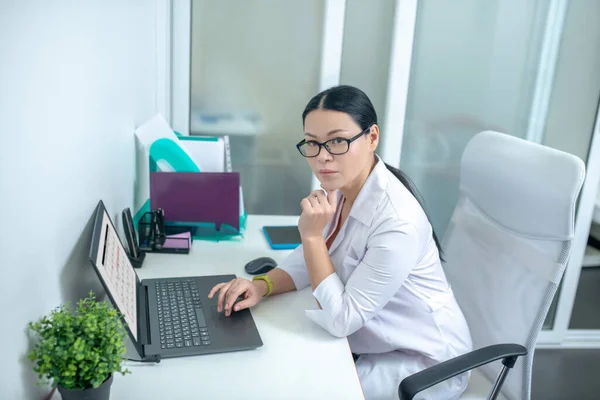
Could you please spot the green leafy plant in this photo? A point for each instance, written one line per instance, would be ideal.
(81, 348)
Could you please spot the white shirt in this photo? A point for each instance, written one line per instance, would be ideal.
(389, 291)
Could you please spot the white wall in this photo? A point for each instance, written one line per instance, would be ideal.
(75, 80)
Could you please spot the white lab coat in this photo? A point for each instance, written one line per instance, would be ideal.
(389, 295)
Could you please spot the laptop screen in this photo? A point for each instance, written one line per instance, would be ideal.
(116, 270)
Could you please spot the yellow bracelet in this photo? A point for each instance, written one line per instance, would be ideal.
(267, 280)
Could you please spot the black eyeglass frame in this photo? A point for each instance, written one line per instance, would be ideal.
(324, 144)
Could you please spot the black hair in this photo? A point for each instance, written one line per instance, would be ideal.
(354, 102)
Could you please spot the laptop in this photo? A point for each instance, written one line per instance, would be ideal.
(167, 317)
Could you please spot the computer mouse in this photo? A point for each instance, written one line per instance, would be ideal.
(260, 266)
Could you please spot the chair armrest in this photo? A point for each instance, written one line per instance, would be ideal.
(422, 380)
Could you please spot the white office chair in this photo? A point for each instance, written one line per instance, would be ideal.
(506, 249)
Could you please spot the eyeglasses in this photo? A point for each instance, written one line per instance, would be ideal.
(336, 146)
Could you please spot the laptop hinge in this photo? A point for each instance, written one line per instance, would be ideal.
(144, 316)
(144, 324)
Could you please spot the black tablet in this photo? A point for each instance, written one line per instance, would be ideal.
(282, 237)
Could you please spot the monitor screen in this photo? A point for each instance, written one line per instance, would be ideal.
(115, 269)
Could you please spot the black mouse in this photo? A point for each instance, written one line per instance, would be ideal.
(260, 266)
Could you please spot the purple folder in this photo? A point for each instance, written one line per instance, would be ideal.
(194, 197)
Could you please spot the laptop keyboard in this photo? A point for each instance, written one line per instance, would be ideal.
(180, 315)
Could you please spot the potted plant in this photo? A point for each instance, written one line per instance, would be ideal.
(80, 350)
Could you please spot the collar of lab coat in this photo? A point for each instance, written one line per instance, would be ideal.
(365, 205)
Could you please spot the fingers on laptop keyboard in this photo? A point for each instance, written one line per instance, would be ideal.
(215, 289)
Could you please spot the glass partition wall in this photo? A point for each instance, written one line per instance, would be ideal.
(528, 69)
(437, 72)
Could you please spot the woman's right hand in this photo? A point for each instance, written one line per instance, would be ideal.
(252, 293)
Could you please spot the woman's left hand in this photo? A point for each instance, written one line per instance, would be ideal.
(317, 210)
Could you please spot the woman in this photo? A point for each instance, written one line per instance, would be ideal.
(369, 253)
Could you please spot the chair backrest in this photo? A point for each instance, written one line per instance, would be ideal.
(509, 241)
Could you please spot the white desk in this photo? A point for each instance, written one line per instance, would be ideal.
(299, 360)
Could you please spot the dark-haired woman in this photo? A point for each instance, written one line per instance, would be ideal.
(369, 253)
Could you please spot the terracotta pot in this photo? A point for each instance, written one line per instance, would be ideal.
(102, 392)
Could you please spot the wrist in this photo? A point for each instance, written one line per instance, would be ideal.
(312, 239)
(261, 286)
